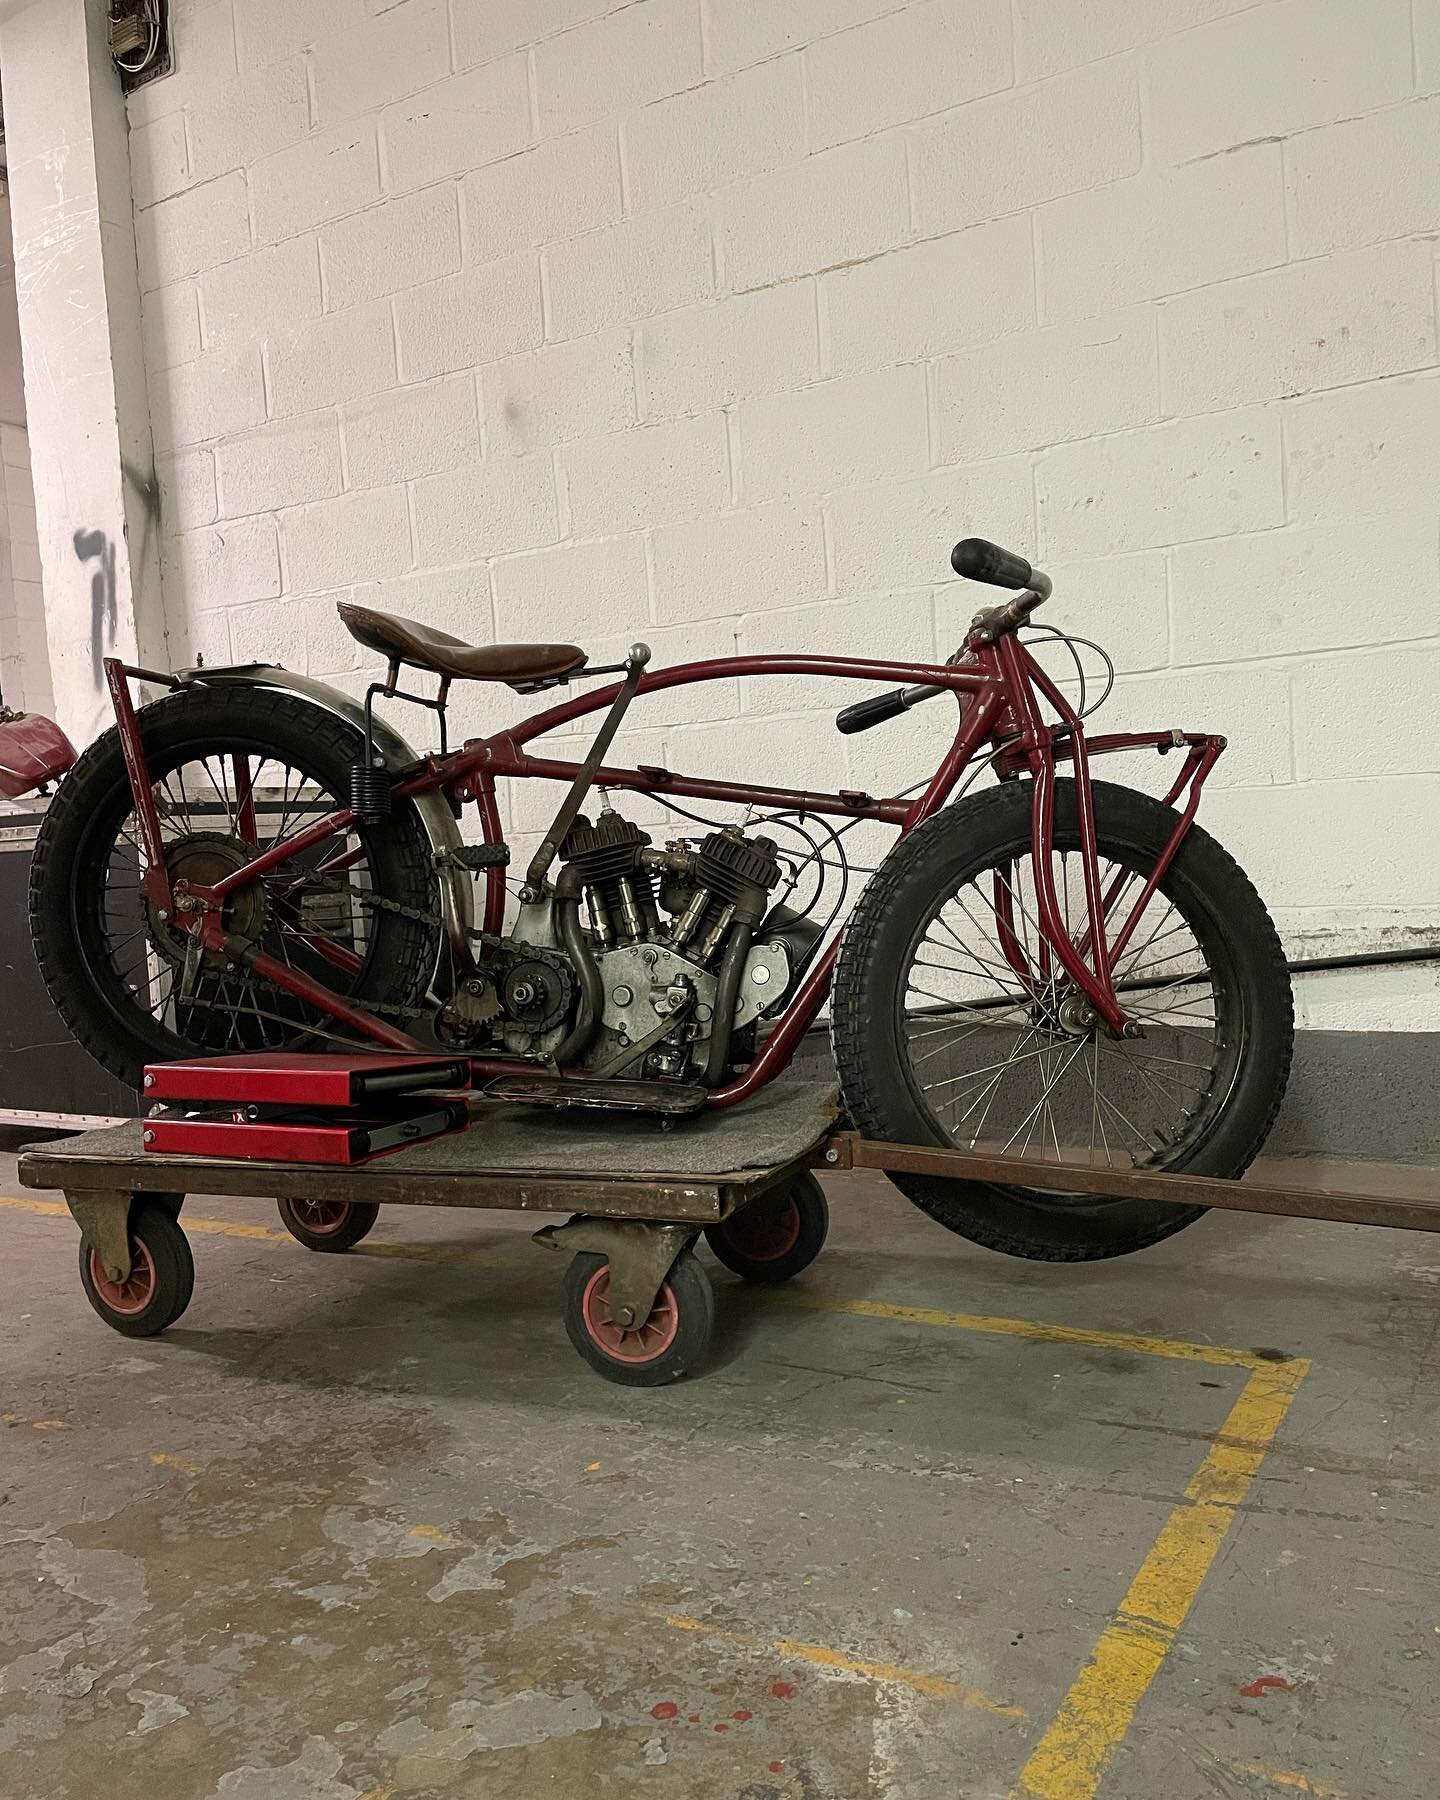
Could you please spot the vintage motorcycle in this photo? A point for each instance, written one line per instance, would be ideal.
(1046, 969)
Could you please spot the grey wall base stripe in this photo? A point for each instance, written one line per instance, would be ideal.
(1373, 1096)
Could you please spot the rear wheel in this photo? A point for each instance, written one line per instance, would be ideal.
(234, 769)
(953, 1023)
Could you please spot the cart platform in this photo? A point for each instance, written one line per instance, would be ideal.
(526, 1158)
(638, 1306)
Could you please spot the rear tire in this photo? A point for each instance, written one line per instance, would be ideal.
(1229, 923)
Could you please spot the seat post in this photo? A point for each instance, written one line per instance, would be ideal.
(635, 660)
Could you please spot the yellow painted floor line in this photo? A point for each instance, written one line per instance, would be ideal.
(938, 1687)
(46, 1208)
(1287, 1778)
(277, 1234)
(998, 1326)
(1070, 1760)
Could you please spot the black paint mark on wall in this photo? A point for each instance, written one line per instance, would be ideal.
(104, 615)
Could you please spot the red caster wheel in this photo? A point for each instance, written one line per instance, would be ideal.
(672, 1342)
(327, 1224)
(161, 1279)
(776, 1236)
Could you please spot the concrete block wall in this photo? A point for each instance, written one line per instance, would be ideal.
(24, 655)
(716, 322)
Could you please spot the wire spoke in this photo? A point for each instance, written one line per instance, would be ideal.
(1143, 1100)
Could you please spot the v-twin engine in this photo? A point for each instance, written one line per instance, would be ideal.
(672, 935)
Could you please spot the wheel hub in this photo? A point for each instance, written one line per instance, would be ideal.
(201, 860)
(1076, 1015)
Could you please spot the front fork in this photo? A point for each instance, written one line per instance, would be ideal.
(1090, 962)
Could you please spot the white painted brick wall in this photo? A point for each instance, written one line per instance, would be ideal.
(1035, 388)
(817, 214)
(534, 595)
(719, 132)
(707, 357)
(837, 434)
(924, 59)
(563, 391)
(646, 265)
(1276, 70)
(1017, 150)
(944, 294)
(560, 189)
(356, 537)
(331, 359)
(391, 247)
(282, 464)
(481, 114)
(482, 313)
(1167, 230)
(646, 477)
(718, 321)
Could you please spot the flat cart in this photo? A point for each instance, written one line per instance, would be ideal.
(638, 1306)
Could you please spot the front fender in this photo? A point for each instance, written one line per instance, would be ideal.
(441, 826)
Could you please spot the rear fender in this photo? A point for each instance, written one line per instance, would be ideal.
(441, 826)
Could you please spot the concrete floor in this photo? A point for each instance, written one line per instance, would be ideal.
(366, 1526)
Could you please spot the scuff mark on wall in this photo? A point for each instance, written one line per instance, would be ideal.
(104, 615)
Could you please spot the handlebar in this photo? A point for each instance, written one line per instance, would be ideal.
(977, 559)
(980, 560)
(880, 707)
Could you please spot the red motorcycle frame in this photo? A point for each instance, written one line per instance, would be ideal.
(997, 684)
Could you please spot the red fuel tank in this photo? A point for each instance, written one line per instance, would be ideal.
(33, 750)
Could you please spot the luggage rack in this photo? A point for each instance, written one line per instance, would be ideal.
(637, 1305)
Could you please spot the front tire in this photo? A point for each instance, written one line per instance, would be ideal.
(948, 872)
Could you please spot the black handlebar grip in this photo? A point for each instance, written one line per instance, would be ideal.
(865, 713)
(979, 560)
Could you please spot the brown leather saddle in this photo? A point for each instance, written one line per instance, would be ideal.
(405, 641)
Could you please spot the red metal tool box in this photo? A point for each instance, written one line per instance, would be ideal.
(277, 1079)
(337, 1110)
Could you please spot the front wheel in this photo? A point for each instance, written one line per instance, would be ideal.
(954, 1025)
